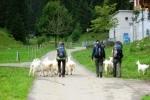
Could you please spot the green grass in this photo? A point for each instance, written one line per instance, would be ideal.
(93, 36)
(26, 53)
(9, 48)
(146, 97)
(129, 67)
(84, 58)
(6, 40)
(15, 83)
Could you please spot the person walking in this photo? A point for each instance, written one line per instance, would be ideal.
(98, 54)
(117, 58)
(61, 59)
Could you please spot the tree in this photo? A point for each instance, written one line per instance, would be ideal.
(103, 21)
(55, 20)
(19, 16)
(81, 10)
(121, 4)
(76, 32)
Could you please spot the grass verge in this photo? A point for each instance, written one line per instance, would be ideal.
(146, 97)
(15, 83)
(26, 53)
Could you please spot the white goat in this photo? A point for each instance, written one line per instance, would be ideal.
(35, 66)
(142, 67)
(46, 66)
(54, 69)
(108, 65)
(70, 66)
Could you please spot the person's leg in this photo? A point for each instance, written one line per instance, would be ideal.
(59, 68)
(63, 67)
(97, 67)
(114, 69)
(118, 69)
(101, 68)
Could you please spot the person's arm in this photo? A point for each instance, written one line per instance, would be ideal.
(57, 51)
(66, 54)
(93, 53)
(121, 54)
(104, 53)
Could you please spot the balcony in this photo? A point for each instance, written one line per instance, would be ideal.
(145, 3)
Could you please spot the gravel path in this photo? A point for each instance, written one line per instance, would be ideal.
(24, 64)
(83, 85)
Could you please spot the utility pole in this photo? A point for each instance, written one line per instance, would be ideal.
(142, 23)
(114, 34)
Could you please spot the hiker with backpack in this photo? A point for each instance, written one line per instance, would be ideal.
(117, 58)
(61, 59)
(98, 55)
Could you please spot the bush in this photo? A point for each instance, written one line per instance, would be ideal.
(41, 40)
(140, 45)
(109, 43)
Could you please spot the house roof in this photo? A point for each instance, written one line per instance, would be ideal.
(122, 11)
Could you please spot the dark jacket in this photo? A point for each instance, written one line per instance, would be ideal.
(102, 52)
(117, 57)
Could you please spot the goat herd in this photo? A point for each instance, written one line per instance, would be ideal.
(46, 67)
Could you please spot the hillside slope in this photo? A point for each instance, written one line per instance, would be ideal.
(93, 36)
(6, 40)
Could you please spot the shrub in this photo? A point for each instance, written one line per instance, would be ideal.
(140, 45)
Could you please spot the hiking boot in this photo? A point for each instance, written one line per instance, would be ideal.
(97, 75)
(59, 75)
(63, 75)
(101, 75)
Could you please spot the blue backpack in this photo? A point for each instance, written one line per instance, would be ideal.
(98, 52)
(117, 53)
(61, 52)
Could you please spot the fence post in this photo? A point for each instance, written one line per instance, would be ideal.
(28, 52)
(32, 52)
(17, 57)
(35, 51)
(71, 46)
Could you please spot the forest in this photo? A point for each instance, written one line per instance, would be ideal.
(69, 18)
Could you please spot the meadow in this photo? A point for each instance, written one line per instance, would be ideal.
(23, 53)
(15, 83)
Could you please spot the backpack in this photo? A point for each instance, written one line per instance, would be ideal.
(61, 52)
(117, 52)
(98, 51)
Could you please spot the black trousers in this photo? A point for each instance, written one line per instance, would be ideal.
(61, 67)
(117, 68)
(99, 66)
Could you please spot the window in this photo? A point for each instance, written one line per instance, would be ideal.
(149, 15)
(126, 18)
(148, 32)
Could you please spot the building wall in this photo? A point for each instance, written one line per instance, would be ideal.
(142, 28)
(123, 16)
(136, 30)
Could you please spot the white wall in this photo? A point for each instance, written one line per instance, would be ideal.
(146, 25)
(123, 25)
